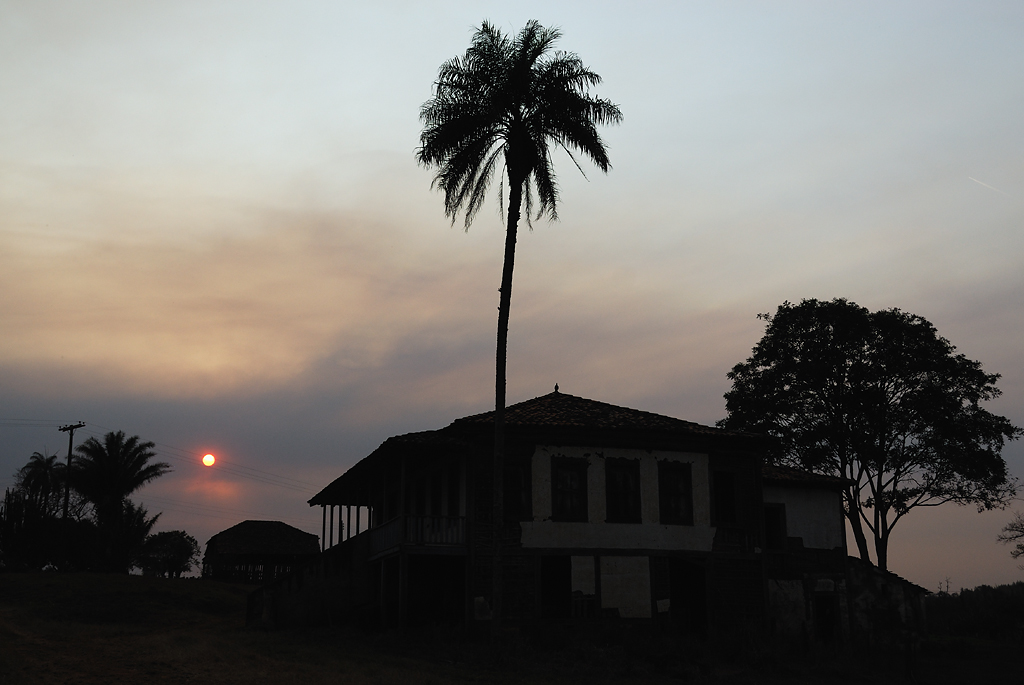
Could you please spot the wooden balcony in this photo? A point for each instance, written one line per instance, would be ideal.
(444, 533)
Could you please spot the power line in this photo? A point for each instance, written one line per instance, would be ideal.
(191, 454)
(219, 513)
(207, 507)
(192, 458)
(29, 423)
(184, 455)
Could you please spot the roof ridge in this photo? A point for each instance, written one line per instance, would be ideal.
(566, 410)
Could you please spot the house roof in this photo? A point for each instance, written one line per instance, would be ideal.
(556, 414)
(263, 537)
(350, 487)
(789, 476)
(868, 567)
(561, 410)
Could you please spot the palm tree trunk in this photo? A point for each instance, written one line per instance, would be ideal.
(515, 198)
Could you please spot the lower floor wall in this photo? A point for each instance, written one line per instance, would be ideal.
(803, 601)
(885, 609)
(698, 594)
(251, 568)
(809, 611)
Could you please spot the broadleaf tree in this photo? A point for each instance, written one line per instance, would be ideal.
(167, 554)
(502, 109)
(1013, 533)
(881, 400)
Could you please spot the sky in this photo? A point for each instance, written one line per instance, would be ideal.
(214, 234)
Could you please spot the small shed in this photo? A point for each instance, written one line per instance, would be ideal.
(257, 551)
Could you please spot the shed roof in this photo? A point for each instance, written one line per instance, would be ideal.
(263, 537)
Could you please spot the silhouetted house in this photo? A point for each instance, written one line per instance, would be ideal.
(257, 551)
(608, 512)
(805, 557)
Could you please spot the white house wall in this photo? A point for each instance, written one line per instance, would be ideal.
(626, 586)
(542, 532)
(814, 515)
(583, 576)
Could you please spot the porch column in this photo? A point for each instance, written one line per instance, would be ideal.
(332, 527)
(403, 589)
(348, 521)
(358, 510)
(383, 596)
(323, 528)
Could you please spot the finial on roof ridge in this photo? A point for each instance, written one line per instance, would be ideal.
(556, 387)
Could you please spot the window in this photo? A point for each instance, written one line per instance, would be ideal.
(724, 498)
(775, 526)
(622, 488)
(569, 489)
(675, 493)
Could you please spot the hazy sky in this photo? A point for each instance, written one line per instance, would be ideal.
(213, 232)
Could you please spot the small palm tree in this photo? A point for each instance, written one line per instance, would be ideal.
(106, 473)
(41, 480)
(508, 102)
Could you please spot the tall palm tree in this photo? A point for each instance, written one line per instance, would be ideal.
(106, 473)
(509, 102)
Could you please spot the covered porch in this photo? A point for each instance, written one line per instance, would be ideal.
(400, 514)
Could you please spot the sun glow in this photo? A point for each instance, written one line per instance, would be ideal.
(209, 460)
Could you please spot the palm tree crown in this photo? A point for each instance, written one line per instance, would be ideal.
(107, 472)
(41, 480)
(510, 100)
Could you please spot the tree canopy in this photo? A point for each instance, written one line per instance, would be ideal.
(877, 398)
(103, 529)
(106, 473)
(168, 554)
(42, 480)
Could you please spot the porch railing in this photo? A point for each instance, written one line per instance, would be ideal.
(418, 530)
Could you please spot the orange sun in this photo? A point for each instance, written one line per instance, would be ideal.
(209, 459)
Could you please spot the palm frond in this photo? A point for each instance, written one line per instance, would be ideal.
(510, 99)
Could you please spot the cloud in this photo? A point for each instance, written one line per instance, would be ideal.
(169, 314)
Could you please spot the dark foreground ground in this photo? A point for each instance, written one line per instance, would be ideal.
(89, 628)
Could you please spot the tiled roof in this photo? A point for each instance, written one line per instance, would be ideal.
(347, 485)
(561, 410)
(787, 475)
(558, 412)
(263, 537)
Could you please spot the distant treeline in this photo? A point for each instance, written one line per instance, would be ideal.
(80, 517)
(995, 613)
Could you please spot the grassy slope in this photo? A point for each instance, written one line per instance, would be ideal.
(128, 629)
(90, 628)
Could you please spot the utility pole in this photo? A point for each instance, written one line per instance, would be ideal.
(70, 430)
